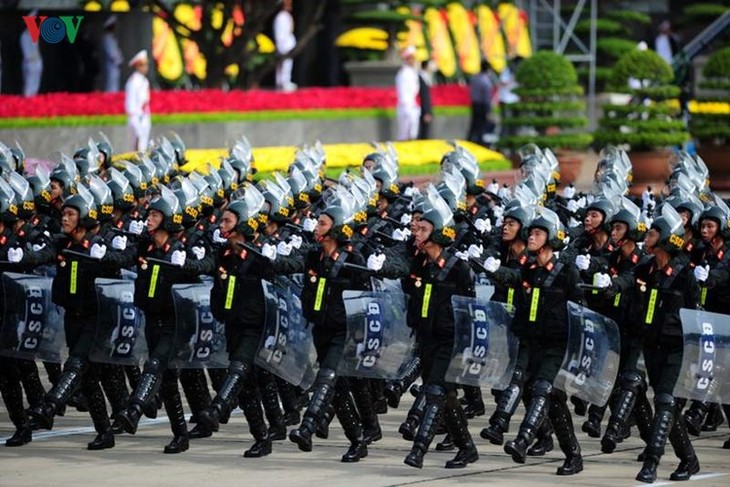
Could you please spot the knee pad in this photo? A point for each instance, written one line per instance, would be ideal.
(75, 364)
(542, 387)
(326, 376)
(632, 381)
(153, 366)
(435, 390)
(664, 401)
(518, 377)
(238, 368)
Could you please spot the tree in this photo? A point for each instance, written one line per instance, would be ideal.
(227, 42)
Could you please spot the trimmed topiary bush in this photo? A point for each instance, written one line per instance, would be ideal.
(710, 118)
(552, 110)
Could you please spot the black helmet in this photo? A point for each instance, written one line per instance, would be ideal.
(280, 203)
(299, 187)
(465, 162)
(206, 193)
(104, 146)
(40, 183)
(103, 198)
(215, 183)
(122, 190)
(547, 220)
(24, 196)
(436, 211)
(341, 209)
(521, 213)
(65, 174)
(720, 213)
(630, 214)
(19, 156)
(8, 205)
(187, 195)
(178, 147)
(228, 177)
(83, 202)
(605, 207)
(247, 210)
(167, 204)
(88, 159)
(683, 201)
(671, 230)
(136, 178)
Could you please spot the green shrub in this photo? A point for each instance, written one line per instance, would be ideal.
(642, 65)
(603, 27)
(614, 47)
(705, 10)
(718, 66)
(628, 16)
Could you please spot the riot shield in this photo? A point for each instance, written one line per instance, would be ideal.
(32, 324)
(485, 350)
(591, 360)
(200, 339)
(286, 348)
(120, 337)
(705, 372)
(378, 341)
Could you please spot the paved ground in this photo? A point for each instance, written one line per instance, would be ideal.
(60, 458)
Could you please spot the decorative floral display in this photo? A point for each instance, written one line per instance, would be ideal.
(204, 101)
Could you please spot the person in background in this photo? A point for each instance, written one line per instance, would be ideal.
(112, 55)
(507, 83)
(32, 62)
(285, 42)
(425, 80)
(407, 87)
(666, 43)
(481, 88)
(137, 102)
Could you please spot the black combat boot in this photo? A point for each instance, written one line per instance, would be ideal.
(689, 464)
(176, 414)
(631, 387)
(694, 416)
(98, 412)
(592, 425)
(250, 402)
(507, 403)
(474, 403)
(270, 401)
(559, 414)
(195, 387)
(535, 415)
(289, 402)
(238, 373)
(543, 440)
(432, 415)
(12, 395)
(409, 427)
(114, 383)
(143, 395)
(660, 428)
(324, 390)
(60, 393)
(361, 393)
(394, 389)
(458, 427)
(350, 421)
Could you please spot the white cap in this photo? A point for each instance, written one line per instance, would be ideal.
(141, 56)
(112, 20)
(642, 46)
(408, 52)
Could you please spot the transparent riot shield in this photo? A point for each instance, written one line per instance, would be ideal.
(200, 339)
(705, 372)
(483, 287)
(485, 350)
(286, 349)
(592, 356)
(120, 337)
(378, 341)
(32, 324)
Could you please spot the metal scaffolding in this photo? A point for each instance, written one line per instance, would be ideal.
(549, 30)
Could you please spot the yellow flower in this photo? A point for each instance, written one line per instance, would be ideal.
(364, 38)
(709, 107)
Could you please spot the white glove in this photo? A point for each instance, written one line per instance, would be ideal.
(284, 248)
(492, 264)
(569, 192)
(646, 198)
(462, 255)
(15, 255)
(269, 251)
(484, 225)
(573, 206)
(498, 221)
(119, 242)
(583, 262)
(38, 247)
(475, 250)
(582, 202)
(400, 235)
(411, 191)
(504, 192)
(199, 252)
(493, 187)
(701, 273)
(97, 251)
(295, 241)
(405, 219)
(178, 258)
(217, 236)
(308, 224)
(498, 211)
(602, 280)
(136, 227)
(375, 262)
(572, 223)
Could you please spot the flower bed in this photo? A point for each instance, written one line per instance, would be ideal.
(214, 105)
